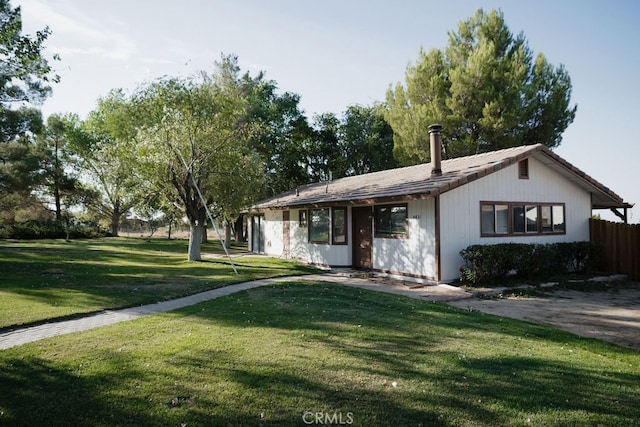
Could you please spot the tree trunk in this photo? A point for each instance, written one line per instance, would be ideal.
(195, 240)
(227, 234)
(239, 229)
(115, 219)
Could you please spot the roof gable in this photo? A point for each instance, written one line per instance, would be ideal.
(416, 182)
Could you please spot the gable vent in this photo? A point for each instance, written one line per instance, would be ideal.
(523, 169)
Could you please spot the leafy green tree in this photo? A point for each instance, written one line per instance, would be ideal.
(193, 136)
(366, 140)
(57, 178)
(323, 155)
(486, 89)
(278, 128)
(24, 81)
(24, 73)
(19, 175)
(105, 146)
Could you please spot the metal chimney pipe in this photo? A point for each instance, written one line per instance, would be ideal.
(436, 149)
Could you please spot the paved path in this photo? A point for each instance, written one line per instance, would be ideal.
(108, 317)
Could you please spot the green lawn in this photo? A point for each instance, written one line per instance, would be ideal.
(288, 354)
(48, 279)
(275, 355)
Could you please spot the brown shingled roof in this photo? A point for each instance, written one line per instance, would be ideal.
(416, 182)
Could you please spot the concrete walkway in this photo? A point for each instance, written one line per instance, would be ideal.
(108, 317)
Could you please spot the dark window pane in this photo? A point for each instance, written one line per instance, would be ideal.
(339, 225)
(518, 219)
(391, 220)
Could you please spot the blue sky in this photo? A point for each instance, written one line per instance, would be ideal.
(335, 53)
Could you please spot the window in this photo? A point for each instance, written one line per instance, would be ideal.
(302, 218)
(495, 219)
(391, 221)
(523, 169)
(503, 219)
(557, 219)
(525, 218)
(319, 225)
(339, 226)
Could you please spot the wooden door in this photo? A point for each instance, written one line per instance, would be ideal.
(362, 237)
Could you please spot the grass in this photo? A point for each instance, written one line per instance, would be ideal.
(268, 356)
(49, 279)
(282, 355)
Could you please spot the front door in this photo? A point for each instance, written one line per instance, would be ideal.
(362, 237)
(257, 234)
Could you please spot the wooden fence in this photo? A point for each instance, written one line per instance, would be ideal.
(621, 246)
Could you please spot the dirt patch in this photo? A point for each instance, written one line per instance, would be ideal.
(611, 315)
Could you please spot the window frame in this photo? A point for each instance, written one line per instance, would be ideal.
(311, 227)
(344, 227)
(391, 235)
(526, 230)
(303, 218)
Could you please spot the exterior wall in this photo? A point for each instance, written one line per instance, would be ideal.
(416, 254)
(312, 253)
(273, 229)
(460, 210)
(317, 253)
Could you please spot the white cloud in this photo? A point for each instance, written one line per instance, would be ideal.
(76, 33)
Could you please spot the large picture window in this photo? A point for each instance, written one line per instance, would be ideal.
(319, 225)
(339, 226)
(391, 221)
(514, 219)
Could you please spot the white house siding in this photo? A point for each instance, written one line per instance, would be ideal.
(460, 210)
(299, 248)
(415, 255)
(273, 229)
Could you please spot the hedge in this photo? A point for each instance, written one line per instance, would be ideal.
(50, 230)
(484, 263)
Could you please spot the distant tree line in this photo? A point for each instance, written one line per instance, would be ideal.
(226, 138)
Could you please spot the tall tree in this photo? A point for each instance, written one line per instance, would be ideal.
(57, 179)
(487, 90)
(323, 155)
(366, 140)
(278, 128)
(105, 144)
(194, 137)
(24, 73)
(25, 76)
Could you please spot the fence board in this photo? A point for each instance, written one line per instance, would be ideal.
(621, 246)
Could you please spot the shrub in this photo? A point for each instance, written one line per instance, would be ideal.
(50, 230)
(527, 261)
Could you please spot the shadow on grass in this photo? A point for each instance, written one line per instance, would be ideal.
(543, 370)
(57, 279)
(266, 356)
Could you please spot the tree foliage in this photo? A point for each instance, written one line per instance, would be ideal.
(486, 88)
(58, 182)
(25, 74)
(194, 137)
(366, 140)
(24, 81)
(104, 144)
